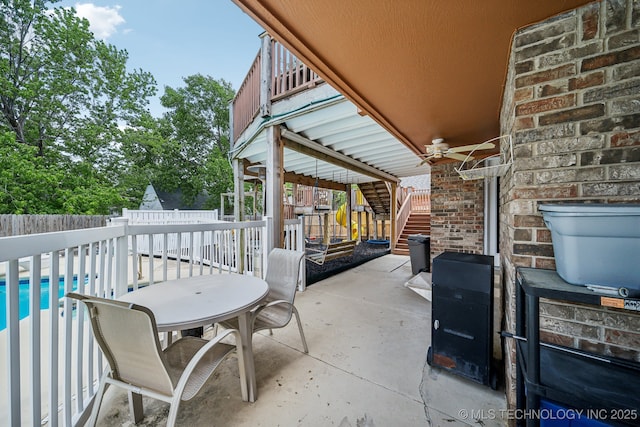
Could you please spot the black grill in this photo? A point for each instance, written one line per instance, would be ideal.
(462, 316)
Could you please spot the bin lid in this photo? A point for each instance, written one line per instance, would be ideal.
(418, 238)
(590, 209)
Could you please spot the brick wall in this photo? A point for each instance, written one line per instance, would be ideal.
(571, 104)
(457, 212)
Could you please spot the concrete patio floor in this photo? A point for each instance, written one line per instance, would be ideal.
(368, 337)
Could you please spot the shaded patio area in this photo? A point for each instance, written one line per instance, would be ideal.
(368, 336)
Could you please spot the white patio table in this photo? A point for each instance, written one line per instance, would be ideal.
(202, 300)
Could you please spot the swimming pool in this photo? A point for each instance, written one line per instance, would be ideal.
(23, 297)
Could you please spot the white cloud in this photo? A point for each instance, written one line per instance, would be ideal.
(103, 20)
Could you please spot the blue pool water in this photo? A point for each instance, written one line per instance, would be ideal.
(24, 297)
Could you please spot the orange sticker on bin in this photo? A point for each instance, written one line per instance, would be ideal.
(611, 302)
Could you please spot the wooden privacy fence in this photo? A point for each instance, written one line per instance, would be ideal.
(18, 225)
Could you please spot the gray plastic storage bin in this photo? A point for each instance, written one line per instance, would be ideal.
(596, 244)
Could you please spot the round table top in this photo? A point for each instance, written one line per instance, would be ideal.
(199, 300)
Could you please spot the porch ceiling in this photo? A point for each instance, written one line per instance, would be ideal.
(349, 148)
(420, 68)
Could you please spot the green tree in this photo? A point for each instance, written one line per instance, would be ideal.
(67, 98)
(196, 128)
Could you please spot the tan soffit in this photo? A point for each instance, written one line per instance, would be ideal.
(420, 68)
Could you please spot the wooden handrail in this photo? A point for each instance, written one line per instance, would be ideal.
(246, 103)
(288, 76)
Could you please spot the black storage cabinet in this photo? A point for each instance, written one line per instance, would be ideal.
(462, 316)
(419, 252)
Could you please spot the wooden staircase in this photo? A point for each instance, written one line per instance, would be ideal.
(417, 223)
(378, 196)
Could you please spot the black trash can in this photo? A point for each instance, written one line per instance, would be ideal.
(419, 248)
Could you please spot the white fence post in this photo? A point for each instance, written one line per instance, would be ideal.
(121, 256)
(301, 246)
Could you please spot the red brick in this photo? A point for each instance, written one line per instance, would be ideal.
(557, 339)
(590, 80)
(567, 70)
(543, 236)
(522, 261)
(523, 94)
(590, 24)
(523, 123)
(550, 90)
(622, 338)
(547, 104)
(573, 115)
(610, 59)
(625, 139)
(545, 263)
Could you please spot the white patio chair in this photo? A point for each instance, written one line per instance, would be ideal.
(283, 269)
(128, 337)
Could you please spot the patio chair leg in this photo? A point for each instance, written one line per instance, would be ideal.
(173, 412)
(97, 400)
(304, 341)
(135, 407)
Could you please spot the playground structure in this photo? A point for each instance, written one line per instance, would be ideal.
(325, 212)
(326, 216)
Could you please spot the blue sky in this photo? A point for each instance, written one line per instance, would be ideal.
(173, 39)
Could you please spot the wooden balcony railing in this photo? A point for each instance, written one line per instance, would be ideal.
(287, 76)
(246, 104)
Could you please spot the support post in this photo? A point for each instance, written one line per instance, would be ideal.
(265, 76)
(274, 183)
(238, 189)
(394, 216)
(348, 210)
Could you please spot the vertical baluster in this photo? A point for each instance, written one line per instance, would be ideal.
(201, 251)
(35, 295)
(136, 267)
(165, 256)
(179, 253)
(190, 254)
(80, 328)
(13, 331)
(54, 278)
(111, 291)
(67, 313)
(150, 258)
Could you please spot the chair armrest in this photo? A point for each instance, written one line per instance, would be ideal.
(258, 309)
(193, 363)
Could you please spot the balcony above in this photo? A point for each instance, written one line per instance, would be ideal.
(326, 138)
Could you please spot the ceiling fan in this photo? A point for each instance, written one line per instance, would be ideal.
(439, 149)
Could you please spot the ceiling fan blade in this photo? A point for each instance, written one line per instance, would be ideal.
(460, 157)
(483, 146)
(427, 160)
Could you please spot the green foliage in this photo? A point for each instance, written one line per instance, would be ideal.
(196, 129)
(66, 97)
(76, 135)
(29, 186)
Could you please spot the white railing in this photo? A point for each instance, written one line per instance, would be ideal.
(167, 217)
(420, 200)
(49, 362)
(403, 215)
(294, 240)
